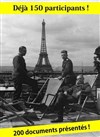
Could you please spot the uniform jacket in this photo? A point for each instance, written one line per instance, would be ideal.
(67, 67)
(19, 67)
(85, 87)
(67, 72)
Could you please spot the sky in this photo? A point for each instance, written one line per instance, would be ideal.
(78, 34)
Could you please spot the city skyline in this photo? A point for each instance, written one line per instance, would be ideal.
(78, 34)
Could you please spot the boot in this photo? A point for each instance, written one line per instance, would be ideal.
(1, 114)
(59, 119)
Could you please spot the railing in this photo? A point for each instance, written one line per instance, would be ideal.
(43, 77)
(6, 77)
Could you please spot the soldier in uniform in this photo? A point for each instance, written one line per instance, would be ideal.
(21, 75)
(97, 60)
(67, 70)
(69, 95)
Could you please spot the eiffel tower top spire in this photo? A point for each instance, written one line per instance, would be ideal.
(43, 39)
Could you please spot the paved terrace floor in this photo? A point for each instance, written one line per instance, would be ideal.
(47, 120)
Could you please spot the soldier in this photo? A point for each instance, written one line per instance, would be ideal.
(21, 75)
(67, 70)
(97, 59)
(69, 95)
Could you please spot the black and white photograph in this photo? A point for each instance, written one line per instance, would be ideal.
(49, 69)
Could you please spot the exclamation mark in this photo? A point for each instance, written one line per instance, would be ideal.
(88, 126)
(87, 7)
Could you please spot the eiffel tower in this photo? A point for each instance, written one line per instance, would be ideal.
(43, 64)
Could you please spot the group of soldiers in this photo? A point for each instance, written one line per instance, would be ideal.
(68, 92)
